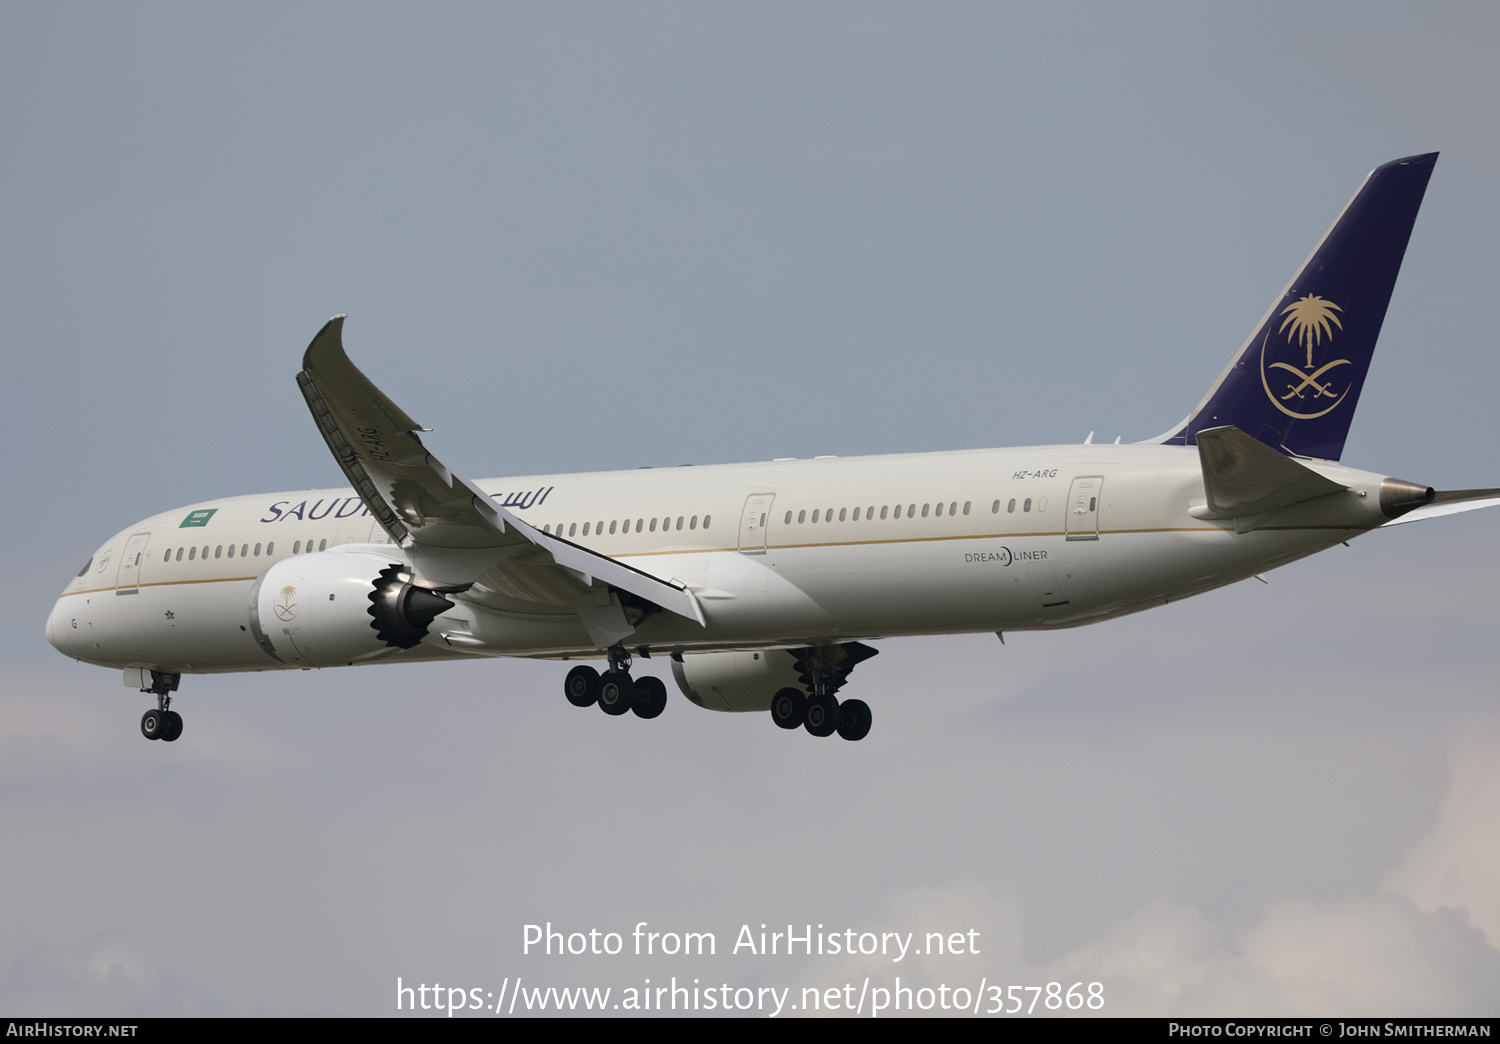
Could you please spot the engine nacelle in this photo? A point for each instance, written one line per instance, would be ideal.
(736, 681)
(337, 607)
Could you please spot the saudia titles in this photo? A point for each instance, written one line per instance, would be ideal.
(1307, 390)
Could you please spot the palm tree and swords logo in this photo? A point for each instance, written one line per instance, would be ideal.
(286, 608)
(1309, 320)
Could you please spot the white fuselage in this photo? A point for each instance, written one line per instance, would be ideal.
(781, 554)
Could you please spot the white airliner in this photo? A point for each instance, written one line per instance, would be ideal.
(762, 582)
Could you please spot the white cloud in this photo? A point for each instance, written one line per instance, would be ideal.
(1458, 865)
(111, 975)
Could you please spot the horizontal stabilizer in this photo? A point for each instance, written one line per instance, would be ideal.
(1243, 476)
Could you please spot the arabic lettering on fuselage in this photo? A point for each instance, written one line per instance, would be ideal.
(522, 501)
(349, 507)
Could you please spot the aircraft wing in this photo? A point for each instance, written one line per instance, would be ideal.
(1450, 502)
(458, 538)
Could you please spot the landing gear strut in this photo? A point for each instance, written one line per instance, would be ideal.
(615, 691)
(162, 723)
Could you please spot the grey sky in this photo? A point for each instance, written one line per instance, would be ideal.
(575, 237)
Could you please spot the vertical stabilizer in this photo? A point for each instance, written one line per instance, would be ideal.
(1296, 381)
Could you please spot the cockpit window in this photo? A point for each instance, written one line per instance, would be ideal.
(86, 565)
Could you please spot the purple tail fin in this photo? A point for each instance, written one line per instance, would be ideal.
(1296, 381)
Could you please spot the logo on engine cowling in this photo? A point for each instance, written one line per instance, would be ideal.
(286, 609)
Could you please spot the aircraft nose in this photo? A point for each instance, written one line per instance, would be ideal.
(61, 630)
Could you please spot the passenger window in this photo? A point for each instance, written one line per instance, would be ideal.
(842, 513)
(953, 508)
(297, 548)
(1041, 505)
(815, 514)
(1027, 505)
(693, 522)
(270, 548)
(165, 558)
(802, 516)
(205, 552)
(218, 550)
(882, 512)
(599, 528)
(192, 554)
(967, 504)
(322, 545)
(788, 519)
(679, 522)
(856, 514)
(995, 507)
(1012, 507)
(924, 510)
(911, 512)
(870, 511)
(653, 525)
(612, 525)
(705, 520)
(939, 511)
(244, 550)
(640, 524)
(257, 551)
(586, 528)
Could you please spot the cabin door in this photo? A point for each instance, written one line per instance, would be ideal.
(1082, 517)
(753, 522)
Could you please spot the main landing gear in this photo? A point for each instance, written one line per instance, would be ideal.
(821, 714)
(818, 710)
(163, 723)
(615, 691)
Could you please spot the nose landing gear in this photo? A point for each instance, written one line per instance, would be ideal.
(163, 723)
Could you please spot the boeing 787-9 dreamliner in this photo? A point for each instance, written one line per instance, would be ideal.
(764, 582)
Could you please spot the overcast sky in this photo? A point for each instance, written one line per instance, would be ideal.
(577, 237)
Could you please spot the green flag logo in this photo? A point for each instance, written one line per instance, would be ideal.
(197, 519)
